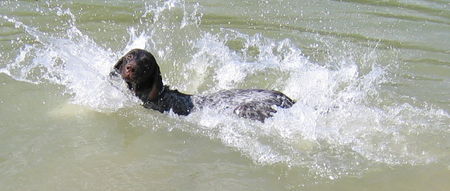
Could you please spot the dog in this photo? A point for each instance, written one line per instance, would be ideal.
(138, 68)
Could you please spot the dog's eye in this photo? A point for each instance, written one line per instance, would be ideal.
(129, 57)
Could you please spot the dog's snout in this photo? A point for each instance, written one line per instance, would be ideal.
(128, 71)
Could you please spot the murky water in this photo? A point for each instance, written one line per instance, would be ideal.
(371, 80)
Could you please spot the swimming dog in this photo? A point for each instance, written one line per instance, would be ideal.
(138, 68)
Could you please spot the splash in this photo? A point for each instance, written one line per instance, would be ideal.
(74, 61)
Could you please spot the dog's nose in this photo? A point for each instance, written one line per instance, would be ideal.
(130, 68)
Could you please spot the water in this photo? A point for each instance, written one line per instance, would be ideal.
(371, 80)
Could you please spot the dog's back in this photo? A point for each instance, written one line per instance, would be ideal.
(256, 104)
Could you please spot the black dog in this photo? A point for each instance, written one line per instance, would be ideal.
(141, 73)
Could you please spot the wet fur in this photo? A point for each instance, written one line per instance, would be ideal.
(142, 74)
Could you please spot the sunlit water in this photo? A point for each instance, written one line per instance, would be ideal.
(371, 80)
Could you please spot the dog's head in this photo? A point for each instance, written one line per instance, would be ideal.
(139, 69)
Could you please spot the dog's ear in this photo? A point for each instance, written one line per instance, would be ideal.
(117, 66)
(158, 79)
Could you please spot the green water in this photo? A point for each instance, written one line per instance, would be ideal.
(371, 80)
